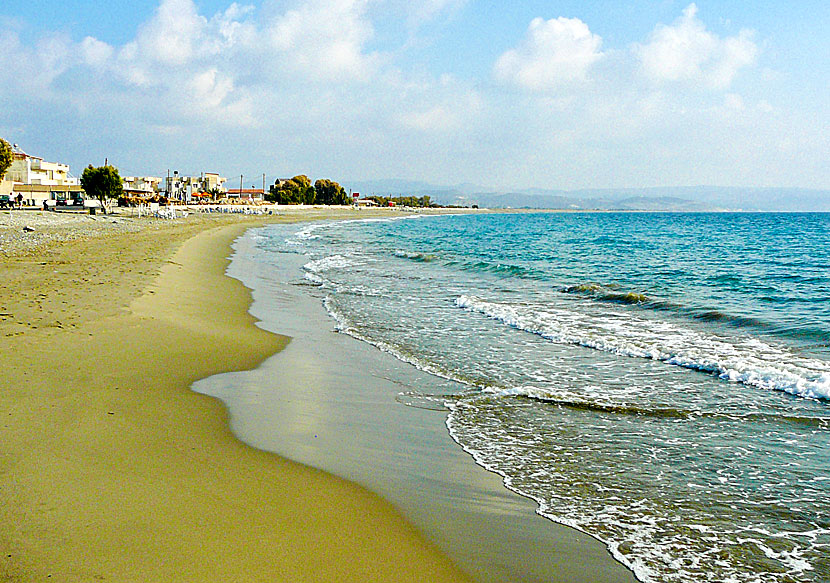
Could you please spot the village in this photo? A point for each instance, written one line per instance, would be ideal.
(32, 182)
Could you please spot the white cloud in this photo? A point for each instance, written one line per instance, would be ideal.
(172, 36)
(178, 37)
(555, 53)
(323, 39)
(33, 69)
(232, 25)
(210, 88)
(314, 82)
(438, 117)
(176, 61)
(95, 53)
(423, 11)
(686, 51)
(438, 107)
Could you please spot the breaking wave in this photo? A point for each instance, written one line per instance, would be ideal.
(743, 360)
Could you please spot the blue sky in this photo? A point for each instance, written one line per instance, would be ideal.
(559, 95)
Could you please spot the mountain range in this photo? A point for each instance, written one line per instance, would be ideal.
(679, 199)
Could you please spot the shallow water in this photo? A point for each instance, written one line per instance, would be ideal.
(335, 403)
(658, 381)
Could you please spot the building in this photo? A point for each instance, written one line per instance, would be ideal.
(38, 194)
(26, 169)
(141, 186)
(212, 182)
(185, 188)
(250, 193)
(38, 181)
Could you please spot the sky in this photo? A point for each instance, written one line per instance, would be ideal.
(505, 95)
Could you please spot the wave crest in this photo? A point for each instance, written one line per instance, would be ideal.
(748, 360)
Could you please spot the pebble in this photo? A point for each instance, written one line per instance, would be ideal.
(23, 231)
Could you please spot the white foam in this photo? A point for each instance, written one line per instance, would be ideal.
(749, 361)
(344, 326)
(314, 278)
(307, 233)
(329, 262)
(643, 533)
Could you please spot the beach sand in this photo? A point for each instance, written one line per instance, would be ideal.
(112, 469)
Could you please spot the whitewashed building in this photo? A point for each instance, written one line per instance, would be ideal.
(186, 188)
(38, 181)
(141, 186)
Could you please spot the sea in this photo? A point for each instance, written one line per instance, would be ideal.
(658, 381)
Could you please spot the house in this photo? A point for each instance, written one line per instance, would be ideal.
(38, 181)
(26, 169)
(180, 187)
(250, 193)
(140, 186)
(187, 187)
(212, 181)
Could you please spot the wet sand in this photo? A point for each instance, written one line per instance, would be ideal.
(112, 469)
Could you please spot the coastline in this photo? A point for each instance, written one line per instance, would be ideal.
(112, 468)
(333, 402)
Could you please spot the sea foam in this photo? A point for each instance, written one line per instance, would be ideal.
(745, 360)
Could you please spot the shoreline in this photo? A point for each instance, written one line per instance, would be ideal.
(113, 468)
(334, 402)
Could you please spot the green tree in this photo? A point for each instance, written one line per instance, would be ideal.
(329, 192)
(305, 189)
(298, 190)
(410, 201)
(5, 157)
(102, 182)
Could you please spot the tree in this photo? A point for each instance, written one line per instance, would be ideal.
(102, 183)
(410, 201)
(298, 190)
(329, 192)
(5, 157)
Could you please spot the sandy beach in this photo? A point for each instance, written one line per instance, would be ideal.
(111, 468)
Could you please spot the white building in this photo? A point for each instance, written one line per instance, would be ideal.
(26, 169)
(37, 180)
(185, 188)
(212, 180)
(141, 186)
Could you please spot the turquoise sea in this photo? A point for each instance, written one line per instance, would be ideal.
(658, 381)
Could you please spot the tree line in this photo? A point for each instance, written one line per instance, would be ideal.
(410, 201)
(299, 190)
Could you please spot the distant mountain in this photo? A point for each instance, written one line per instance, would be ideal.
(571, 201)
(679, 199)
(659, 203)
